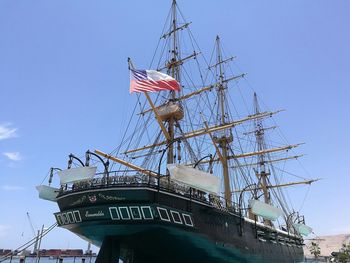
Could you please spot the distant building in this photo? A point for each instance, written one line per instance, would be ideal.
(4, 252)
(61, 252)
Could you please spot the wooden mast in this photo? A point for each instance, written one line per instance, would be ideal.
(259, 134)
(160, 122)
(173, 68)
(261, 172)
(224, 140)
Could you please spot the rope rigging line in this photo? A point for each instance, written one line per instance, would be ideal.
(48, 173)
(279, 194)
(283, 195)
(189, 148)
(247, 178)
(147, 161)
(28, 244)
(160, 39)
(116, 151)
(284, 171)
(192, 127)
(281, 134)
(304, 199)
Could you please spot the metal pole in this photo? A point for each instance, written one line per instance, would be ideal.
(39, 244)
(240, 208)
(71, 157)
(201, 159)
(105, 164)
(161, 158)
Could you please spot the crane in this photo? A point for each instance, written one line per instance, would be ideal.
(36, 235)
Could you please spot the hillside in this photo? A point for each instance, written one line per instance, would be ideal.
(328, 244)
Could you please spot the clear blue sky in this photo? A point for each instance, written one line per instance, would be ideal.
(64, 88)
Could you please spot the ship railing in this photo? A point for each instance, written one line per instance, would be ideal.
(198, 195)
(134, 180)
(115, 178)
(101, 181)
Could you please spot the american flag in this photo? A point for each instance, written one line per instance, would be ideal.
(151, 80)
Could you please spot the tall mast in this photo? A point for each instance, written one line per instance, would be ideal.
(224, 140)
(261, 172)
(174, 70)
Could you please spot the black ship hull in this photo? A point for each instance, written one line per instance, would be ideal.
(147, 224)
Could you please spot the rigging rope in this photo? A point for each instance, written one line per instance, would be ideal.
(27, 244)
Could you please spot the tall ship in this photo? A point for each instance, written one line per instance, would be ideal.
(198, 175)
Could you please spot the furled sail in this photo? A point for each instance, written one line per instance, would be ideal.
(47, 192)
(76, 174)
(194, 178)
(264, 210)
(303, 229)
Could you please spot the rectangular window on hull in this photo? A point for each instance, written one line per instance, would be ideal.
(187, 220)
(124, 213)
(176, 217)
(59, 220)
(163, 214)
(77, 216)
(64, 219)
(113, 211)
(70, 217)
(135, 213)
(146, 212)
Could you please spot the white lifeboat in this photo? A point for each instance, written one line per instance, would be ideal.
(303, 229)
(194, 178)
(264, 210)
(47, 192)
(77, 174)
